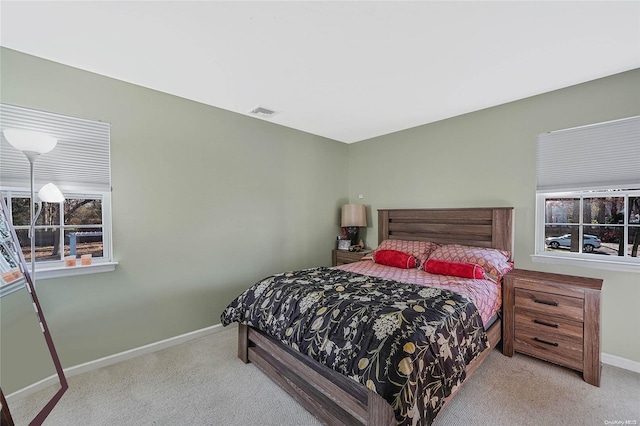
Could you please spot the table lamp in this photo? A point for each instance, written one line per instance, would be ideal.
(353, 217)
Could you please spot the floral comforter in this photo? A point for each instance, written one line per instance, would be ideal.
(410, 344)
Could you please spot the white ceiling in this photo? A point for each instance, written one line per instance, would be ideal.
(348, 70)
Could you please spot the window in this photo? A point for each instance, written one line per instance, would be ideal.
(598, 219)
(588, 199)
(74, 227)
(80, 166)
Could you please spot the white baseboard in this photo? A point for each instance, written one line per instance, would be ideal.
(142, 350)
(617, 361)
(115, 358)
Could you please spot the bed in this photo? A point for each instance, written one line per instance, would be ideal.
(338, 399)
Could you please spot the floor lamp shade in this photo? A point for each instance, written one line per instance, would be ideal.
(353, 217)
(29, 141)
(50, 194)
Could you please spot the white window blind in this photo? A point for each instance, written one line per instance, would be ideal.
(80, 160)
(599, 156)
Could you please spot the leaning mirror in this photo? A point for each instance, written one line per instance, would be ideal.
(29, 364)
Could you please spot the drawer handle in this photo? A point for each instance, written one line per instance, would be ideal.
(545, 302)
(548, 324)
(545, 342)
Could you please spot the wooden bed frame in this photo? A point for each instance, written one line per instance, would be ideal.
(335, 399)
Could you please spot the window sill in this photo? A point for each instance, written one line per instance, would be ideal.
(61, 271)
(587, 263)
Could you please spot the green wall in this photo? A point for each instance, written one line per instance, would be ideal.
(487, 158)
(205, 203)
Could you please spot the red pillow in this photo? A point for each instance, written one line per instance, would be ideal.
(394, 258)
(457, 269)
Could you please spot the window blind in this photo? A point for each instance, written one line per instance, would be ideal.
(80, 160)
(598, 156)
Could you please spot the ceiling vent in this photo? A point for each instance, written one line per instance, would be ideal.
(262, 112)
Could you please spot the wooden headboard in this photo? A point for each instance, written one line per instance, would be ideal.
(482, 227)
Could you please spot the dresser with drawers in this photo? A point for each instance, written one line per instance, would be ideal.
(555, 318)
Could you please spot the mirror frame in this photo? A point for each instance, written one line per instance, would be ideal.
(42, 415)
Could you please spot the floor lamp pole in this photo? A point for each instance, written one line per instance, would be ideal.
(32, 230)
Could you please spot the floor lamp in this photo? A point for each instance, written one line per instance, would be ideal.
(32, 144)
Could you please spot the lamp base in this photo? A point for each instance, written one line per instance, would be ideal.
(352, 234)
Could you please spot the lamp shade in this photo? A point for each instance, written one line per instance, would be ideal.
(50, 194)
(354, 215)
(29, 141)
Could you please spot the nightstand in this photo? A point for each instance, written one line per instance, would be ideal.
(341, 257)
(555, 318)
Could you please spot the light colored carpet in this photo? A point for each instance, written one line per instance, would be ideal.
(202, 382)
